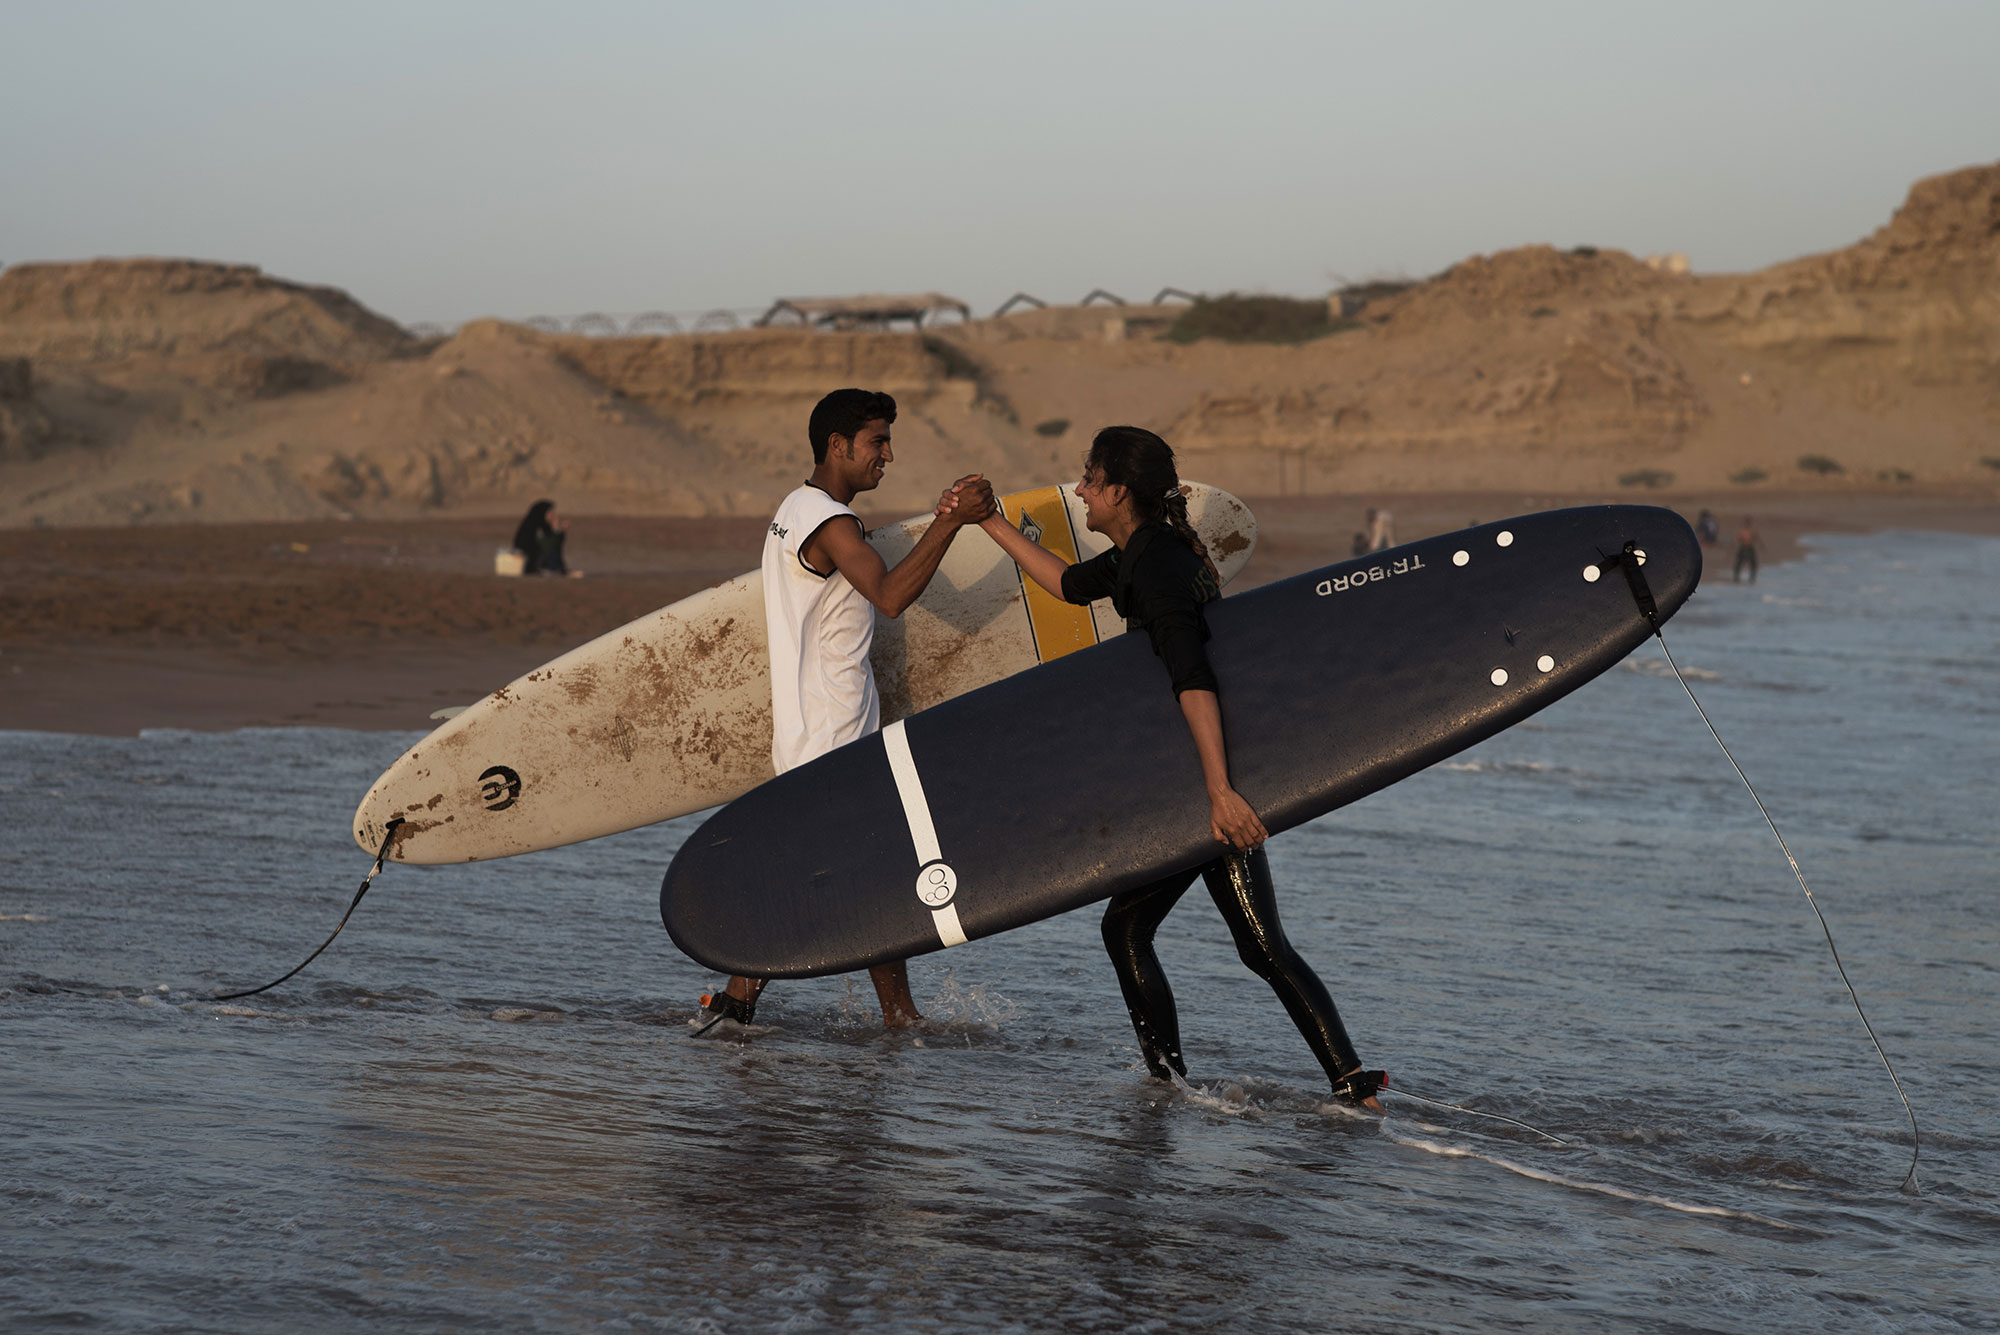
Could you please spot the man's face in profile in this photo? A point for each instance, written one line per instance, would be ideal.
(868, 455)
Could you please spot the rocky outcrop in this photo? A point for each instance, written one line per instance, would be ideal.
(1531, 282)
(175, 390)
(104, 310)
(17, 379)
(696, 370)
(24, 428)
(1924, 290)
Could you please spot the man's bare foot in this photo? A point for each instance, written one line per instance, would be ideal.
(892, 989)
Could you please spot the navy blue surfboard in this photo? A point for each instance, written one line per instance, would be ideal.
(944, 827)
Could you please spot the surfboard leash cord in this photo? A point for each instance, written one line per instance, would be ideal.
(1387, 1088)
(381, 857)
(1629, 560)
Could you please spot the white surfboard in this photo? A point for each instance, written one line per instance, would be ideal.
(672, 713)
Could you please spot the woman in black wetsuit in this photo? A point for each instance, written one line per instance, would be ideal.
(1157, 575)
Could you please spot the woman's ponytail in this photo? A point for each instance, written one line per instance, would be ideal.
(1175, 508)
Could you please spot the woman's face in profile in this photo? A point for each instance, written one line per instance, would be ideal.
(1098, 506)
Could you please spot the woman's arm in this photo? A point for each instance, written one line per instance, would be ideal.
(1230, 818)
(1042, 565)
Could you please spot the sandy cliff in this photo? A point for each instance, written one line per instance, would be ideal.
(169, 390)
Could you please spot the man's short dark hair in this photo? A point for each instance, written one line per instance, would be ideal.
(843, 413)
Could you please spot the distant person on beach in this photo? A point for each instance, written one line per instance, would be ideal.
(1747, 543)
(823, 585)
(1708, 528)
(1381, 530)
(1158, 576)
(539, 540)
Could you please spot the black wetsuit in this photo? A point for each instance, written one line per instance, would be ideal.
(1158, 585)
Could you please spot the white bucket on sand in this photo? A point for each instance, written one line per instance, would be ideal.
(507, 561)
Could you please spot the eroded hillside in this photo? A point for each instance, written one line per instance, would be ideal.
(169, 390)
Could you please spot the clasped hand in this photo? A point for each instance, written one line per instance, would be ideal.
(967, 501)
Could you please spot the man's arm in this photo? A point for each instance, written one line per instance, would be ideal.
(838, 546)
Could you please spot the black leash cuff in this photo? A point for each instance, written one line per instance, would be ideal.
(722, 1006)
(1361, 1086)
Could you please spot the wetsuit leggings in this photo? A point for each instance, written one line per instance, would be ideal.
(1240, 884)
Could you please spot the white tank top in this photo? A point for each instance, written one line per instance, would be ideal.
(820, 628)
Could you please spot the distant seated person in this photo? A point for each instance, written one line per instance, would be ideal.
(539, 540)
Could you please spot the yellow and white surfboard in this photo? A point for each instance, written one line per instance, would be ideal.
(1058, 627)
(672, 712)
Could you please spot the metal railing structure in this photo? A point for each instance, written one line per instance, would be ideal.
(657, 323)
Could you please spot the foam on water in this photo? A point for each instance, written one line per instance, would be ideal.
(1578, 1184)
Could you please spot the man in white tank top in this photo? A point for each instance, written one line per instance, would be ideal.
(820, 626)
(823, 585)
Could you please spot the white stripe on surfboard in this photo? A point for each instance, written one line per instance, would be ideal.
(916, 808)
(923, 834)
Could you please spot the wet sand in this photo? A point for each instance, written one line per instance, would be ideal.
(375, 624)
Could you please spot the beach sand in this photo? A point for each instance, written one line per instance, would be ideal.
(375, 624)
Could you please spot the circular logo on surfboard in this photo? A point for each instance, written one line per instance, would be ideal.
(498, 787)
(936, 884)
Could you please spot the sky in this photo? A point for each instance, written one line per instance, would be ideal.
(443, 161)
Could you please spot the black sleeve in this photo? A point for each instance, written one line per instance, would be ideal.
(1172, 616)
(1177, 640)
(1087, 581)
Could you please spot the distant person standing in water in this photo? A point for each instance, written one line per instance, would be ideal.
(1746, 551)
(1381, 530)
(539, 540)
(1158, 575)
(823, 585)
(1707, 528)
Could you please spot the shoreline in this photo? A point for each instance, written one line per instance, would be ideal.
(372, 625)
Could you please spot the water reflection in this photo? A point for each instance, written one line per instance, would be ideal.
(482, 1107)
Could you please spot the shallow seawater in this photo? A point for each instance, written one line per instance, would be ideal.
(482, 1107)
